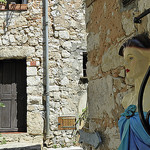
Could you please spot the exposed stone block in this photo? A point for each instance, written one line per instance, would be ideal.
(67, 45)
(16, 51)
(64, 81)
(65, 54)
(64, 34)
(33, 81)
(31, 71)
(35, 123)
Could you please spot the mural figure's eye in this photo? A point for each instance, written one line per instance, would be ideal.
(131, 58)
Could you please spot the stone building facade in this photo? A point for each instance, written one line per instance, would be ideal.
(109, 24)
(22, 39)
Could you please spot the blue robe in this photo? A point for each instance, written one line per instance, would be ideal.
(133, 135)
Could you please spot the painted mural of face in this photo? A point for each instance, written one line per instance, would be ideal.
(136, 63)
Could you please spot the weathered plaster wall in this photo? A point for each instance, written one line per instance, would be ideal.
(108, 26)
(21, 36)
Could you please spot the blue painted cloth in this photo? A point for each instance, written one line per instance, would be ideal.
(133, 135)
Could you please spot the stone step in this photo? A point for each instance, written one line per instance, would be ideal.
(20, 146)
(66, 148)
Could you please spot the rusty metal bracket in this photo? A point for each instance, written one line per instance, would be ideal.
(138, 18)
(93, 139)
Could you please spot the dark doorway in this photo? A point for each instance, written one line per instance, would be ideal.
(13, 95)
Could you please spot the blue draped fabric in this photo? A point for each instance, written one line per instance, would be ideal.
(133, 135)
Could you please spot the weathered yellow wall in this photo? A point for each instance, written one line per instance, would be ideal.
(108, 26)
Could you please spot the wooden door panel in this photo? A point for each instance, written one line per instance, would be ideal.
(6, 89)
(6, 97)
(6, 114)
(14, 116)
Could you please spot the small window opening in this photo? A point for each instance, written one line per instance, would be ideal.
(84, 64)
(126, 2)
(84, 78)
(17, 4)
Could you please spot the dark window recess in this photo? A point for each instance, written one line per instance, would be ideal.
(84, 78)
(127, 2)
(84, 64)
(15, 2)
(13, 95)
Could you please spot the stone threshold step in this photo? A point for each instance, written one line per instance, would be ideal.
(66, 148)
(20, 146)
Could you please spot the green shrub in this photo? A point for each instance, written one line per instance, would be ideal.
(2, 140)
(2, 105)
(54, 146)
(4, 2)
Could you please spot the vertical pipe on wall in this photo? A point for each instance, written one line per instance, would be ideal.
(46, 68)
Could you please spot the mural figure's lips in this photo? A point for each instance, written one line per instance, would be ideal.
(127, 70)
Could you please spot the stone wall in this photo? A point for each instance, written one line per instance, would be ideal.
(21, 36)
(109, 24)
(68, 42)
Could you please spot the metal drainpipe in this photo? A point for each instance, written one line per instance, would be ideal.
(46, 69)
